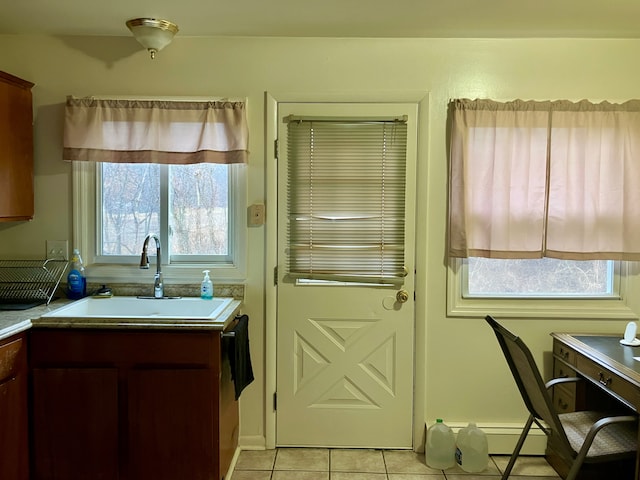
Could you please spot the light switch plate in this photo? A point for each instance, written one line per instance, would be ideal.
(57, 249)
(256, 214)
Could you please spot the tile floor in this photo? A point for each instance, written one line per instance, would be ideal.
(341, 464)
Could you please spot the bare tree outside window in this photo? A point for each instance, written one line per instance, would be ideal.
(199, 213)
(544, 277)
(130, 206)
(198, 208)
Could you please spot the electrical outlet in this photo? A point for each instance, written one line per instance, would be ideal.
(256, 214)
(58, 249)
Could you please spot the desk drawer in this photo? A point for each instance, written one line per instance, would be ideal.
(563, 352)
(561, 370)
(564, 399)
(610, 381)
(564, 395)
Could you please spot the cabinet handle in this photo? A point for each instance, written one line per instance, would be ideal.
(564, 353)
(562, 405)
(604, 381)
(228, 335)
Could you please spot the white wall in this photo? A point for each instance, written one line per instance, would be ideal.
(463, 375)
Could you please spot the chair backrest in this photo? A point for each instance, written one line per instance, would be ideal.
(527, 376)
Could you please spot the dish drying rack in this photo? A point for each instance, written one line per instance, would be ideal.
(30, 280)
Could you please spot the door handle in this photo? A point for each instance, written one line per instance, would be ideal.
(402, 296)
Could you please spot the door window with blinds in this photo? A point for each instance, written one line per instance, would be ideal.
(346, 204)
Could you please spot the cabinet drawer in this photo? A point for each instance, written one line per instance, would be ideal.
(563, 352)
(564, 399)
(560, 370)
(609, 381)
(106, 348)
(11, 358)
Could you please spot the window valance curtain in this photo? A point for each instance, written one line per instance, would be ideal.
(155, 131)
(544, 179)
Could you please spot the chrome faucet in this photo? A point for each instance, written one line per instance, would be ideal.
(158, 285)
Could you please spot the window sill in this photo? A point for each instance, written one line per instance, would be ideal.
(613, 308)
(610, 308)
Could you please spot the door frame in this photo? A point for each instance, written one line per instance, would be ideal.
(271, 100)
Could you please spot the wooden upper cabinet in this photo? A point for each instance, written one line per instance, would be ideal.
(16, 149)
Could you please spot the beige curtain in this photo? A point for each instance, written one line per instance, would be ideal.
(137, 131)
(544, 179)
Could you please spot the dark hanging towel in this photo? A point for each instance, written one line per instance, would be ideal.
(239, 356)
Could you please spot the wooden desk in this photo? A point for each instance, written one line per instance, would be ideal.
(605, 364)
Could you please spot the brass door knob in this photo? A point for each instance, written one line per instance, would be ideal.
(402, 296)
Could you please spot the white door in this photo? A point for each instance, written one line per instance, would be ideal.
(345, 351)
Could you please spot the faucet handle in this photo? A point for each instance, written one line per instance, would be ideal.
(144, 260)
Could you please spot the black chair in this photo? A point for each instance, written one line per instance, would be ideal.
(578, 437)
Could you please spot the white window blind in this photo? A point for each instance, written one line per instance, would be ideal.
(346, 205)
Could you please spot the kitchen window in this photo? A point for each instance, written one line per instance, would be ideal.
(500, 289)
(187, 205)
(539, 278)
(171, 168)
(542, 217)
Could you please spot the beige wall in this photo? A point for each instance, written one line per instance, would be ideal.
(460, 371)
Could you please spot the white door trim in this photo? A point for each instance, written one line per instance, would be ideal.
(271, 100)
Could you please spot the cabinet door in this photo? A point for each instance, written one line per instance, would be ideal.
(13, 429)
(14, 426)
(16, 156)
(75, 423)
(228, 419)
(170, 425)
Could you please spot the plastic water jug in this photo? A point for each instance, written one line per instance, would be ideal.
(440, 446)
(472, 449)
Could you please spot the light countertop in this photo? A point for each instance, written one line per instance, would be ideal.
(16, 321)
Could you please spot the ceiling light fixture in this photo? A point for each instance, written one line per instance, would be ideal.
(152, 34)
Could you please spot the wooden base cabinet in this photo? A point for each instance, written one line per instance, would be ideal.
(131, 405)
(165, 441)
(14, 460)
(76, 421)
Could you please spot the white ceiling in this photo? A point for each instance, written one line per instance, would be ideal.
(332, 18)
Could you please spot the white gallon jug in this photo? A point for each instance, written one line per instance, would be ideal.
(472, 449)
(440, 446)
